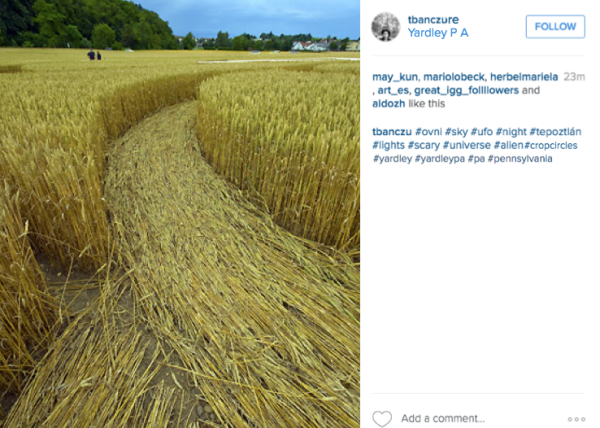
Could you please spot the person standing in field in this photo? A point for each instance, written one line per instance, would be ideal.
(98, 55)
(91, 55)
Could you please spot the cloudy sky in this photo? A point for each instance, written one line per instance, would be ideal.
(205, 18)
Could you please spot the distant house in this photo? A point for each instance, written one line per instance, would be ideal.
(204, 42)
(301, 46)
(321, 46)
(198, 41)
(353, 46)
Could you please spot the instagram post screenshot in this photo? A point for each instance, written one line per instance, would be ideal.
(263, 214)
(479, 286)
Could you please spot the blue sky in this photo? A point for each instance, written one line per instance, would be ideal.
(204, 18)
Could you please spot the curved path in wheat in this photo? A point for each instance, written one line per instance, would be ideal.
(223, 319)
(264, 323)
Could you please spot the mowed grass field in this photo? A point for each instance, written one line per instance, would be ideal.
(220, 239)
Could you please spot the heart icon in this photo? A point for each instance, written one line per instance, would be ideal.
(382, 418)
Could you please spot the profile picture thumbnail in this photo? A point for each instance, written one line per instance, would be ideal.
(385, 27)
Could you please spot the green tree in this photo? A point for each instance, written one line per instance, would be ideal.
(49, 21)
(333, 46)
(31, 39)
(143, 34)
(155, 42)
(128, 37)
(286, 43)
(170, 42)
(16, 18)
(222, 40)
(1, 38)
(72, 36)
(239, 43)
(343, 46)
(269, 45)
(258, 45)
(189, 42)
(103, 36)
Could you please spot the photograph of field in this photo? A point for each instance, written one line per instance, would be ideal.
(179, 239)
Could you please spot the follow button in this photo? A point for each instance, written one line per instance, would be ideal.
(555, 26)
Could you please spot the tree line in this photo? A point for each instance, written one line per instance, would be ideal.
(83, 24)
(266, 41)
(117, 24)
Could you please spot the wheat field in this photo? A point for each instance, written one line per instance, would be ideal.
(215, 211)
(300, 157)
